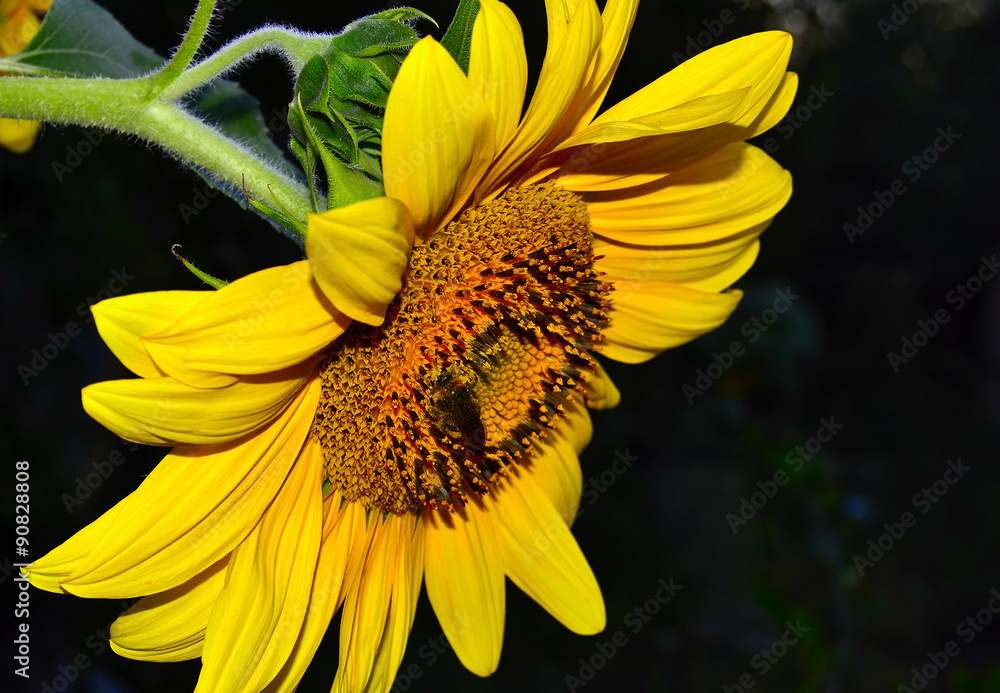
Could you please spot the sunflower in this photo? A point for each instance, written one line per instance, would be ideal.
(406, 406)
(19, 22)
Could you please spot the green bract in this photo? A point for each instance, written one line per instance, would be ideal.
(340, 97)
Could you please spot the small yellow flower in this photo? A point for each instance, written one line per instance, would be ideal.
(406, 406)
(19, 22)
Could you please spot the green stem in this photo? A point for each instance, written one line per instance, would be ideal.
(121, 106)
(295, 46)
(189, 46)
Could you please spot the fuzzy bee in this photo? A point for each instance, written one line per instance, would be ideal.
(455, 409)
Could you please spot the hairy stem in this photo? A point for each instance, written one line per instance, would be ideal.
(295, 46)
(186, 51)
(122, 106)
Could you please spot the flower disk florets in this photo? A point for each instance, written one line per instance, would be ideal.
(488, 340)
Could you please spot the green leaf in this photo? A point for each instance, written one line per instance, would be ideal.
(81, 39)
(457, 40)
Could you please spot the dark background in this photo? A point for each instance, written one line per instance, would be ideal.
(666, 516)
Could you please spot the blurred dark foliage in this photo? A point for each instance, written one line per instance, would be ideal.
(118, 209)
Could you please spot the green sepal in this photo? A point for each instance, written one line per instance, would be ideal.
(341, 94)
(380, 33)
(345, 183)
(278, 216)
(457, 40)
(213, 282)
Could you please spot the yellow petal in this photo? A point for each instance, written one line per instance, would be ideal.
(437, 137)
(573, 38)
(708, 266)
(777, 107)
(616, 19)
(170, 626)
(259, 613)
(51, 570)
(18, 25)
(757, 61)
(727, 193)
(498, 66)
(263, 322)
(600, 390)
(18, 135)
(700, 112)
(465, 583)
(405, 593)
(343, 530)
(123, 320)
(618, 154)
(541, 556)
(166, 412)
(660, 315)
(194, 508)
(633, 162)
(358, 255)
(366, 606)
(558, 17)
(646, 160)
(555, 466)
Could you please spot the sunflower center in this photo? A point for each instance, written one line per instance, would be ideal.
(478, 355)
